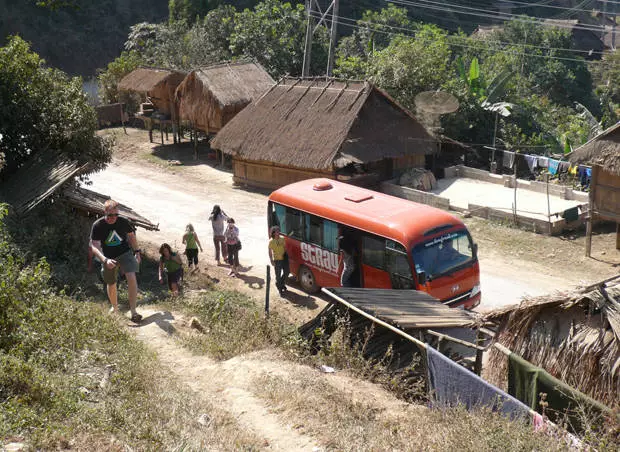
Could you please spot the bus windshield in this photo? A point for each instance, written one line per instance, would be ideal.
(444, 254)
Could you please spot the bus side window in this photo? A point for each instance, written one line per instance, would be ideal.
(330, 235)
(314, 229)
(294, 222)
(373, 251)
(280, 217)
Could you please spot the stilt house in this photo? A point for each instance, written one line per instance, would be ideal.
(304, 128)
(210, 97)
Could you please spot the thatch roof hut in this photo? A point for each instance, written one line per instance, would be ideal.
(156, 84)
(602, 150)
(210, 97)
(303, 128)
(603, 153)
(575, 336)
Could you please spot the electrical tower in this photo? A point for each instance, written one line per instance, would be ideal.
(317, 17)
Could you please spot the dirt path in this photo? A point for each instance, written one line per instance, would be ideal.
(231, 385)
(227, 384)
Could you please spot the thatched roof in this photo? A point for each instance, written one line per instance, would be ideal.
(211, 96)
(322, 125)
(575, 336)
(145, 79)
(603, 150)
(39, 178)
(92, 202)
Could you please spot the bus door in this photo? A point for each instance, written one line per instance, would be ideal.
(385, 264)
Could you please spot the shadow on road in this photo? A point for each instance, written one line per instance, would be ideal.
(162, 319)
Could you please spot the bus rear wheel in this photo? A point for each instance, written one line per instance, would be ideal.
(307, 280)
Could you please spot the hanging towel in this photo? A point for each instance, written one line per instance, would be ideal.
(571, 214)
(532, 162)
(543, 162)
(553, 166)
(526, 382)
(509, 159)
(452, 385)
(572, 170)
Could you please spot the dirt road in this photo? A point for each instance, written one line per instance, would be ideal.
(173, 199)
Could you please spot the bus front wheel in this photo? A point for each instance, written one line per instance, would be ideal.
(307, 280)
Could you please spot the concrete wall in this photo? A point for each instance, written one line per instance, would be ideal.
(506, 180)
(423, 197)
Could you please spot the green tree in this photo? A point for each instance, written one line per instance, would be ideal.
(42, 109)
(114, 72)
(273, 34)
(409, 66)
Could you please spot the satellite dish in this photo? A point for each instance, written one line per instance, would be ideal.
(436, 102)
(430, 105)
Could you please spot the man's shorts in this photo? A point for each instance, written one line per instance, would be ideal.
(126, 261)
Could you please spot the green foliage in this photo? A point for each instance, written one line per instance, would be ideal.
(113, 74)
(409, 66)
(43, 109)
(273, 34)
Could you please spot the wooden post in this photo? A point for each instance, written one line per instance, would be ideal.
(195, 143)
(150, 122)
(618, 236)
(267, 286)
(478, 363)
(161, 131)
(590, 219)
(120, 106)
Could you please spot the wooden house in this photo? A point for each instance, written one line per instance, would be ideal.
(210, 97)
(157, 86)
(304, 128)
(603, 154)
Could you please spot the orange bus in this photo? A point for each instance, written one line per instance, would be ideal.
(399, 244)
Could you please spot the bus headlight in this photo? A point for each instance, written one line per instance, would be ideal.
(475, 291)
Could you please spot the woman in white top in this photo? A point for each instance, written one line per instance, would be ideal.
(234, 245)
(218, 219)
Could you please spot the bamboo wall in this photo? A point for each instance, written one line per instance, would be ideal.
(607, 195)
(266, 175)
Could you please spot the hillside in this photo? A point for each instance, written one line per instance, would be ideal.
(78, 41)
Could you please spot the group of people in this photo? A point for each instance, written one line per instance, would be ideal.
(113, 242)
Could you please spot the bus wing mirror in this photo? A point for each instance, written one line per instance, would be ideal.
(475, 250)
(422, 278)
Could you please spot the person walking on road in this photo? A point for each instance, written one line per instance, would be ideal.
(171, 263)
(234, 245)
(279, 258)
(190, 239)
(113, 241)
(218, 218)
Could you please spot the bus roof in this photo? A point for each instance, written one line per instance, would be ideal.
(388, 216)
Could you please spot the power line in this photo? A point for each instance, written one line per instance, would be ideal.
(482, 47)
(481, 12)
(540, 5)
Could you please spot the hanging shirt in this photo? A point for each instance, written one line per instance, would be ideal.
(532, 162)
(563, 167)
(509, 159)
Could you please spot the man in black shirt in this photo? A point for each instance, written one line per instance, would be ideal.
(113, 241)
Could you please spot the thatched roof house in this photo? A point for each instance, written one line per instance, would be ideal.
(602, 150)
(210, 97)
(575, 336)
(303, 128)
(603, 153)
(156, 84)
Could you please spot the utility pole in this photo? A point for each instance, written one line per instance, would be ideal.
(333, 38)
(305, 70)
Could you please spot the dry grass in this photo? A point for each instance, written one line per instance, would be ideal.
(346, 423)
